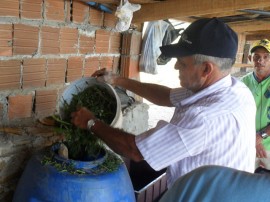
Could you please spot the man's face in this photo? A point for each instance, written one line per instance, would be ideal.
(261, 60)
(190, 74)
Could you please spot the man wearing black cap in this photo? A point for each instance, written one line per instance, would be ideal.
(214, 118)
(258, 82)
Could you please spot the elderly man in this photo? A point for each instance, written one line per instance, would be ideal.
(214, 118)
(258, 82)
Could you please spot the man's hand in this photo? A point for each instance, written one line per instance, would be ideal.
(103, 75)
(260, 151)
(81, 117)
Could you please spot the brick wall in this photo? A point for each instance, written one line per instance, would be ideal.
(44, 45)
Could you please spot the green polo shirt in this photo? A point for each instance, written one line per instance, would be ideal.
(261, 94)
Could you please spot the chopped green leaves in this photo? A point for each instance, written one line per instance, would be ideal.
(81, 143)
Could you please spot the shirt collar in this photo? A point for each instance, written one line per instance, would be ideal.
(224, 82)
(256, 78)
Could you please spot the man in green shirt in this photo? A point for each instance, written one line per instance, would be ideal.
(258, 82)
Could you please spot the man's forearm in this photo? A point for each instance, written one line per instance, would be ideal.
(119, 141)
(156, 94)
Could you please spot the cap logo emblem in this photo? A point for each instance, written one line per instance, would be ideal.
(184, 38)
(263, 42)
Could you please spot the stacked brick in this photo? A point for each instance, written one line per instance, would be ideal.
(130, 54)
(44, 43)
(44, 46)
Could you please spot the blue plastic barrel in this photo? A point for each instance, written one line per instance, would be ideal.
(44, 183)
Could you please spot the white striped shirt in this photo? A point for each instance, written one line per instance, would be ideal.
(215, 126)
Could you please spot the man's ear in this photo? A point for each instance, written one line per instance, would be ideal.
(249, 58)
(207, 68)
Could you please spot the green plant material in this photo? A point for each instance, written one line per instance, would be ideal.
(81, 143)
(110, 164)
(61, 167)
(95, 98)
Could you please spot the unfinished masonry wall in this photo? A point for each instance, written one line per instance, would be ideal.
(45, 45)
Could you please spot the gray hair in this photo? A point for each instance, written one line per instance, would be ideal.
(224, 64)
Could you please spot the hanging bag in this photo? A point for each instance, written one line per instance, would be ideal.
(125, 14)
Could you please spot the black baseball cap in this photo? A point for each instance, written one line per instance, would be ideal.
(208, 36)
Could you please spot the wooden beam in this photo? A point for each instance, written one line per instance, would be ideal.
(184, 8)
(117, 2)
(258, 35)
(249, 26)
(102, 1)
(241, 65)
(222, 14)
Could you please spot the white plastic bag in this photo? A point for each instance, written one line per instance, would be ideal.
(125, 14)
(152, 40)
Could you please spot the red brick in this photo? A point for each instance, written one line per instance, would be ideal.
(133, 67)
(68, 40)
(9, 8)
(135, 44)
(116, 62)
(130, 66)
(56, 71)
(131, 43)
(91, 65)
(68, 10)
(10, 74)
(80, 12)
(50, 42)
(55, 10)
(96, 17)
(6, 40)
(20, 106)
(115, 42)
(102, 41)
(106, 62)
(74, 68)
(87, 44)
(34, 72)
(25, 40)
(31, 9)
(126, 40)
(110, 20)
(45, 102)
(1, 111)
